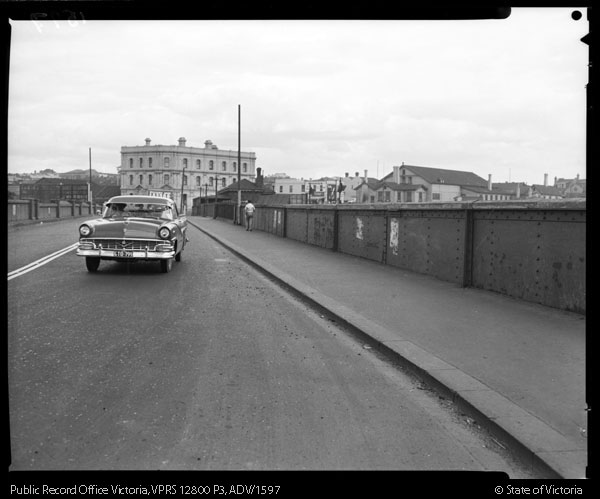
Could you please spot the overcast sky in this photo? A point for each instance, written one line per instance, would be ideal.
(318, 98)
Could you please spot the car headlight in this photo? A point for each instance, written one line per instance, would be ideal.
(85, 230)
(164, 233)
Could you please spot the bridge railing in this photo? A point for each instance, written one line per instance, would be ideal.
(32, 209)
(533, 251)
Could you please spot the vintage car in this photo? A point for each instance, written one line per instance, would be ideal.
(134, 228)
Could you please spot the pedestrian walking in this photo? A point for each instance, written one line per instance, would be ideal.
(249, 210)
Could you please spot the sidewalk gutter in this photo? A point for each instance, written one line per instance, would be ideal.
(542, 448)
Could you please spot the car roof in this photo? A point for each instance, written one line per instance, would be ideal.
(140, 199)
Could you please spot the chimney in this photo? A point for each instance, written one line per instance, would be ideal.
(259, 178)
(347, 174)
(555, 181)
(545, 180)
(577, 178)
(356, 174)
(490, 182)
(207, 144)
(181, 141)
(396, 176)
(518, 190)
(366, 175)
(147, 142)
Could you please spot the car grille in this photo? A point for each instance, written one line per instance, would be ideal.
(125, 244)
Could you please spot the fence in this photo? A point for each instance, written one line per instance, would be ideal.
(32, 209)
(533, 251)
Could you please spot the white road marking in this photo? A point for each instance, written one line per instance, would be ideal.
(41, 261)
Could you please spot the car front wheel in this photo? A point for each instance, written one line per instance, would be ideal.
(92, 263)
(166, 265)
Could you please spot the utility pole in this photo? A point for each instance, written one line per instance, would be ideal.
(90, 183)
(182, 177)
(216, 195)
(237, 217)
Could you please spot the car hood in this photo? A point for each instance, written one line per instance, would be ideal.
(127, 227)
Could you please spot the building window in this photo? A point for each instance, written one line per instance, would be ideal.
(210, 181)
(185, 162)
(234, 166)
(130, 162)
(185, 180)
(198, 163)
(141, 162)
(130, 179)
(387, 195)
(281, 188)
(166, 162)
(408, 196)
(166, 178)
(224, 182)
(141, 179)
(291, 189)
(149, 179)
(420, 197)
(303, 188)
(380, 197)
(198, 181)
(224, 166)
(321, 187)
(211, 165)
(435, 196)
(245, 167)
(149, 162)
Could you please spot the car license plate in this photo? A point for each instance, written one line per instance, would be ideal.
(124, 253)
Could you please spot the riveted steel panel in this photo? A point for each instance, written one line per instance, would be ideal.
(320, 228)
(362, 233)
(297, 224)
(539, 257)
(427, 243)
(270, 220)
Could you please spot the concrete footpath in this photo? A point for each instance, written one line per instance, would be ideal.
(518, 368)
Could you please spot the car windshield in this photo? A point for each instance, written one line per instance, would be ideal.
(140, 210)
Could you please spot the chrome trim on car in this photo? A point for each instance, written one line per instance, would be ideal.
(146, 249)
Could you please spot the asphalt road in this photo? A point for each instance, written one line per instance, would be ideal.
(210, 367)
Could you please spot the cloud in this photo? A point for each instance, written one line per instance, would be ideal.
(318, 97)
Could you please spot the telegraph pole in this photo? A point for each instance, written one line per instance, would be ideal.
(182, 177)
(90, 184)
(237, 217)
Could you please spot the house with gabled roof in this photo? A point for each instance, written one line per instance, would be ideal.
(571, 188)
(366, 191)
(391, 192)
(412, 183)
(546, 192)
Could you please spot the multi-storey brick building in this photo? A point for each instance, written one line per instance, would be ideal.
(179, 170)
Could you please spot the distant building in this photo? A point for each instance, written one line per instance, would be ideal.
(516, 190)
(99, 177)
(248, 190)
(350, 184)
(178, 171)
(46, 190)
(546, 192)
(571, 188)
(418, 184)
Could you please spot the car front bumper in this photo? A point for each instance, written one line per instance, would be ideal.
(90, 250)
